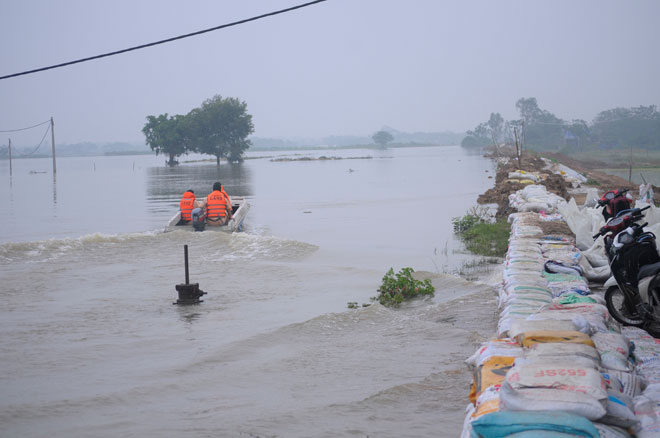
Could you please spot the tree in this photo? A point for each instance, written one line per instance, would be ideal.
(382, 138)
(478, 137)
(496, 126)
(220, 127)
(167, 135)
(621, 127)
(541, 127)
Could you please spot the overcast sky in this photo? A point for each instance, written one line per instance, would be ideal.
(343, 67)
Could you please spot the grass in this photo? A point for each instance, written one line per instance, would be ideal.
(481, 235)
(488, 239)
(619, 158)
(471, 269)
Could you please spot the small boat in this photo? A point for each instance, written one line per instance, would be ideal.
(239, 207)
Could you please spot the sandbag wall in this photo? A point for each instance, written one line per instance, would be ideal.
(559, 365)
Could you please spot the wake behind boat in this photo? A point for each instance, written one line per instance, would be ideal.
(239, 207)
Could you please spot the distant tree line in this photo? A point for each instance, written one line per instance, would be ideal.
(637, 127)
(219, 127)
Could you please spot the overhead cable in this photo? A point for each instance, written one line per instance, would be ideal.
(39, 145)
(29, 127)
(142, 46)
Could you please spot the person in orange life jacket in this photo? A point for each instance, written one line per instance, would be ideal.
(218, 206)
(187, 204)
(222, 189)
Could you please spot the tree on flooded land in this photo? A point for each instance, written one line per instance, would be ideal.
(220, 128)
(168, 136)
(381, 138)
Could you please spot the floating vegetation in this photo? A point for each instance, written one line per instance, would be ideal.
(402, 286)
(321, 158)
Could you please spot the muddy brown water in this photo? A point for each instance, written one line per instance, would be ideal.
(92, 345)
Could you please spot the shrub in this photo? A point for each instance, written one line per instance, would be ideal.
(402, 286)
(480, 234)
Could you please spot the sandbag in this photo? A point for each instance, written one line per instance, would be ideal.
(550, 399)
(586, 322)
(529, 338)
(647, 410)
(614, 350)
(522, 326)
(629, 384)
(489, 373)
(488, 401)
(608, 431)
(620, 410)
(554, 386)
(564, 352)
(505, 424)
(494, 347)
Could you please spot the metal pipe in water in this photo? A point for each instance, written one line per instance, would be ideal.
(185, 257)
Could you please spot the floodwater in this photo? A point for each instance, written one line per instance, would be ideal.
(91, 344)
(637, 175)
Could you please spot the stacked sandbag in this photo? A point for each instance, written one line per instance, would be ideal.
(562, 257)
(524, 290)
(646, 355)
(535, 198)
(557, 354)
(524, 177)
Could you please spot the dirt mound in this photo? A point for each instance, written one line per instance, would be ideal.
(601, 180)
(499, 194)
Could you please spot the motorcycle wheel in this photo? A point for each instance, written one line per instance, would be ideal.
(616, 305)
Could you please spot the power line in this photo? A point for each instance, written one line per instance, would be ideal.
(142, 46)
(29, 127)
(39, 145)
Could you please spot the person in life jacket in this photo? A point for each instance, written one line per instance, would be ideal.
(222, 189)
(218, 206)
(186, 205)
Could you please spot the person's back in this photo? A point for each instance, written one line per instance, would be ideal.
(218, 206)
(186, 205)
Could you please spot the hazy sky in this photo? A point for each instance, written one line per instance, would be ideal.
(344, 67)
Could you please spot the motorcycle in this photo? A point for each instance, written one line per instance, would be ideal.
(613, 202)
(634, 298)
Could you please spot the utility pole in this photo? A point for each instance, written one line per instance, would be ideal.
(52, 142)
(10, 157)
(630, 168)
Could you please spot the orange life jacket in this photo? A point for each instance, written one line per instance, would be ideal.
(186, 205)
(216, 205)
(226, 195)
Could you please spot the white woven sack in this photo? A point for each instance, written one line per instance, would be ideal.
(546, 325)
(607, 431)
(500, 347)
(647, 410)
(548, 399)
(560, 376)
(620, 410)
(613, 349)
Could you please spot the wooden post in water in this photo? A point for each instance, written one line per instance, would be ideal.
(52, 142)
(630, 168)
(10, 157)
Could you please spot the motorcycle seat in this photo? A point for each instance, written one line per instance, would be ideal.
(648, 270)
